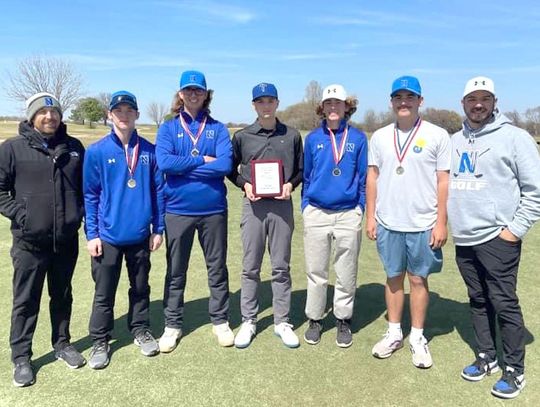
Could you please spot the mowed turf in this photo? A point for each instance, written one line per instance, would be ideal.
(200, 373)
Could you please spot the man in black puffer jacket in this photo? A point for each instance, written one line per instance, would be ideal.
(41, 193)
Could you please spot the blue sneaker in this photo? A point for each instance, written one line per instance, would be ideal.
(509, 385)
(483, 366)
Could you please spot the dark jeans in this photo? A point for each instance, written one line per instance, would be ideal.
(31, 264)
(490, 272)
(212, 233)
(106, 274)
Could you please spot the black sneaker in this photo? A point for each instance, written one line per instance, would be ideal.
(344, 334)
(99, 355)
(23, 374)
(313, 333)
(509, 385)
(70, 356)
(147, 343)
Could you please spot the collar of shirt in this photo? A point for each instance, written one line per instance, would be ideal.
(279, 130)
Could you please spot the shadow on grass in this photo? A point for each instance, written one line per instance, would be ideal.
(444, 315)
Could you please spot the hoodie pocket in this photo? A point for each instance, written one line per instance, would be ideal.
(469, 217)
(38, 221)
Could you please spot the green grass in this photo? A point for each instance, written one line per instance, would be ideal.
(200, 373)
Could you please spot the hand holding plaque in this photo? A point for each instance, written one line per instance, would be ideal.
(267, 178)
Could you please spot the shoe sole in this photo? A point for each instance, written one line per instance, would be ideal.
(99, 367)
(149, 354)
(478, 378)
(386, 355)
(17, 384)
(170, 349)
(509, 395)
(68, 365)
(290, 346)
(344, 345)
(311, 342)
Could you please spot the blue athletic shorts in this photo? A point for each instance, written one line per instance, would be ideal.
(407, 251)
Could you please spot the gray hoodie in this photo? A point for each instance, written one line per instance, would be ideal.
(494, 182)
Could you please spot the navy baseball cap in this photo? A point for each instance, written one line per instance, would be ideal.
(123, 96)
(409, 83)
(264, 89)
(192, 78)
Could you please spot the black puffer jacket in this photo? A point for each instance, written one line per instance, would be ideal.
(41, 186)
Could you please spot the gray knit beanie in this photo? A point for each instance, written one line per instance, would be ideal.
(39, 101)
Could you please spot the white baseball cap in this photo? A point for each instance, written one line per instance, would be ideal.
(334, 92)
(479, 83)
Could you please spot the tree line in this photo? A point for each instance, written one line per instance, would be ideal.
(59, 77)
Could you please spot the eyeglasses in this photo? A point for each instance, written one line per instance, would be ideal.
(128, 99)
(193, 89)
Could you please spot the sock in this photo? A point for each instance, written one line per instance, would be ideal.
(394, 328)
(416, 334)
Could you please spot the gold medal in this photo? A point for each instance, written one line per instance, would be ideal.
(131, 183)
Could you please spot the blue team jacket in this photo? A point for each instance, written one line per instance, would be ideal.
(116, 213)
(191, 186)
(321, 188)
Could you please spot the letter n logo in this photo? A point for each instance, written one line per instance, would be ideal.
(468, 162)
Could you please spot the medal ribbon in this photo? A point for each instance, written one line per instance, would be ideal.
(401, 152)
(194, 139)
(132, 164)
(338, 154)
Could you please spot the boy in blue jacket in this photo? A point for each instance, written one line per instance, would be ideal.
(333, 199)
(194, 151)
(123, 198)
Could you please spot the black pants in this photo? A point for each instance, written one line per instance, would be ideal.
(212, 233)
(31, 264)
(106, 274)
(490, 273)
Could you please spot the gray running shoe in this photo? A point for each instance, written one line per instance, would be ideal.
(99, 355)
(313, 333)
(344, 334)
(70, 356)
(147, 343)
(23, 374)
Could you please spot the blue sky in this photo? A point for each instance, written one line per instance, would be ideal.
(143, 46)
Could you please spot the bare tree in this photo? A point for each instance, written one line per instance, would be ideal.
(516, 118)
(45, 74)
(157, 112)
(105, 99)
(533, 120)
(313, 93)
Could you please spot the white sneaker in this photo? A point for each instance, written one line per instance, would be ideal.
(387, 345)
(420, 353)
(245, 334)
(224, 334)
(169, 339)
(287, 335)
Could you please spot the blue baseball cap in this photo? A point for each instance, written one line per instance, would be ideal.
(409, 83)
(264, 89)
(192, 78)
(123, 96)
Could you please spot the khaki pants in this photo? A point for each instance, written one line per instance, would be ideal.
(322, 228)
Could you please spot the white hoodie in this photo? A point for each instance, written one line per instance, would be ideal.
(494, 182)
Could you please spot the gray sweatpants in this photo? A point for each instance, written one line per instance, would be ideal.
(272, 219)
(322, 228)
